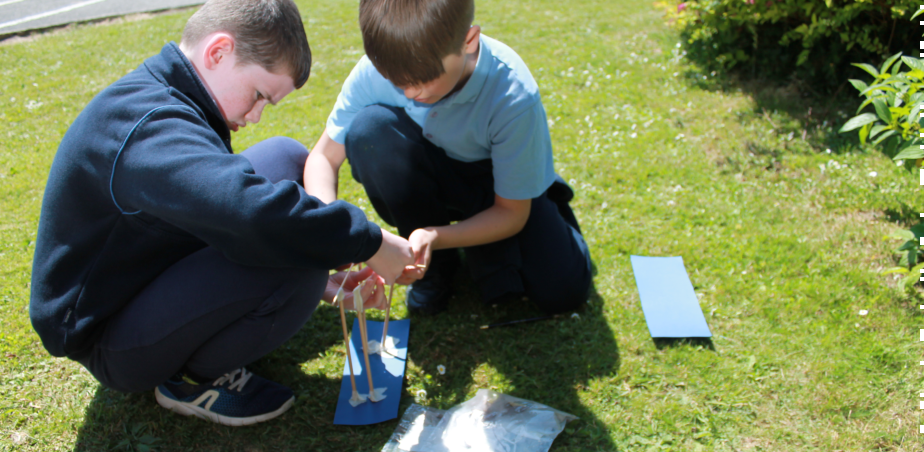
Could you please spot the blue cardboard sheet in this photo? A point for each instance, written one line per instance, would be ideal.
(668, 300)
(387, 372)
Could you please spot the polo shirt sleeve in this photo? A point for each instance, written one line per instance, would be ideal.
(361, 89)
(521, 153)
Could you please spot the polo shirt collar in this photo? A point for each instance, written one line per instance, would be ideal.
(476, 81)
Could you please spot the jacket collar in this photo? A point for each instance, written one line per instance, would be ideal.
(172, 68)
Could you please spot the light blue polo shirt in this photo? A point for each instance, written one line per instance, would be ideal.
(497, 114)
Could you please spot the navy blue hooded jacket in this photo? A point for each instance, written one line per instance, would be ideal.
(146, 176)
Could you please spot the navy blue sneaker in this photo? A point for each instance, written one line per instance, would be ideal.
(237, 398)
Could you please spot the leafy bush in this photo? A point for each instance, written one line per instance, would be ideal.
(896, 97)
(812, 39)
(895, 124)
(909, 263)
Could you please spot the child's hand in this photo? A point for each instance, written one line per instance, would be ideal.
(373, 291)
(422, 242)
(393, 255)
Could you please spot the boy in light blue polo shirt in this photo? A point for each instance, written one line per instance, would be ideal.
(445, 129)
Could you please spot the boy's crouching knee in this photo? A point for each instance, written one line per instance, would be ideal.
(278, 158)
(371, 128)
(289, 149)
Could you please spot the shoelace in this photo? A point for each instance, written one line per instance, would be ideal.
(235, 383)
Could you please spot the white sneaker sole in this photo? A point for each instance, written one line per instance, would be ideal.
(187, 409)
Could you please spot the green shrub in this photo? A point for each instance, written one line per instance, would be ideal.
(814, 40)
(894, 125)
(896, 96)
(909, 262)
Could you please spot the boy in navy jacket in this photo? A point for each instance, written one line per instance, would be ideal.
(166, 261)
(445, 129)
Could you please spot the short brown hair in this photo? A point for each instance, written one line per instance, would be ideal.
(269, 33)
(406, 40)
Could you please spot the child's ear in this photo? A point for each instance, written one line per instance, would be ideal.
(219, 47)
(471, 39)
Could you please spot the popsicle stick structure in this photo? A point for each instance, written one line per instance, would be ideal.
(385, 368)
(388, 371)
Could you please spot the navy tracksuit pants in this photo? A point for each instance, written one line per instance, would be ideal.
(412, 183)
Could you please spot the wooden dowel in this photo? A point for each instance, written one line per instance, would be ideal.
(360, 311)
(387, 312)
(346, 341)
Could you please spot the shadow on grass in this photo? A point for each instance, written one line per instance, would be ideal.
(813, 91)
(118, 421)
(809, 121)
(550, 362)
(791, 106)
(903, 215)
(677, 342)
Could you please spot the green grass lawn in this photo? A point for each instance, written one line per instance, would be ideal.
(779, 220)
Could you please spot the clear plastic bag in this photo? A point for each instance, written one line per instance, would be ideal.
(489, 422)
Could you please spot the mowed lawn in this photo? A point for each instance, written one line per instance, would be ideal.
(780, 221)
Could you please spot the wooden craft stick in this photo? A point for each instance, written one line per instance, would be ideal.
(361, 313)
(387, 312)
(346, 341)
(356, 399)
